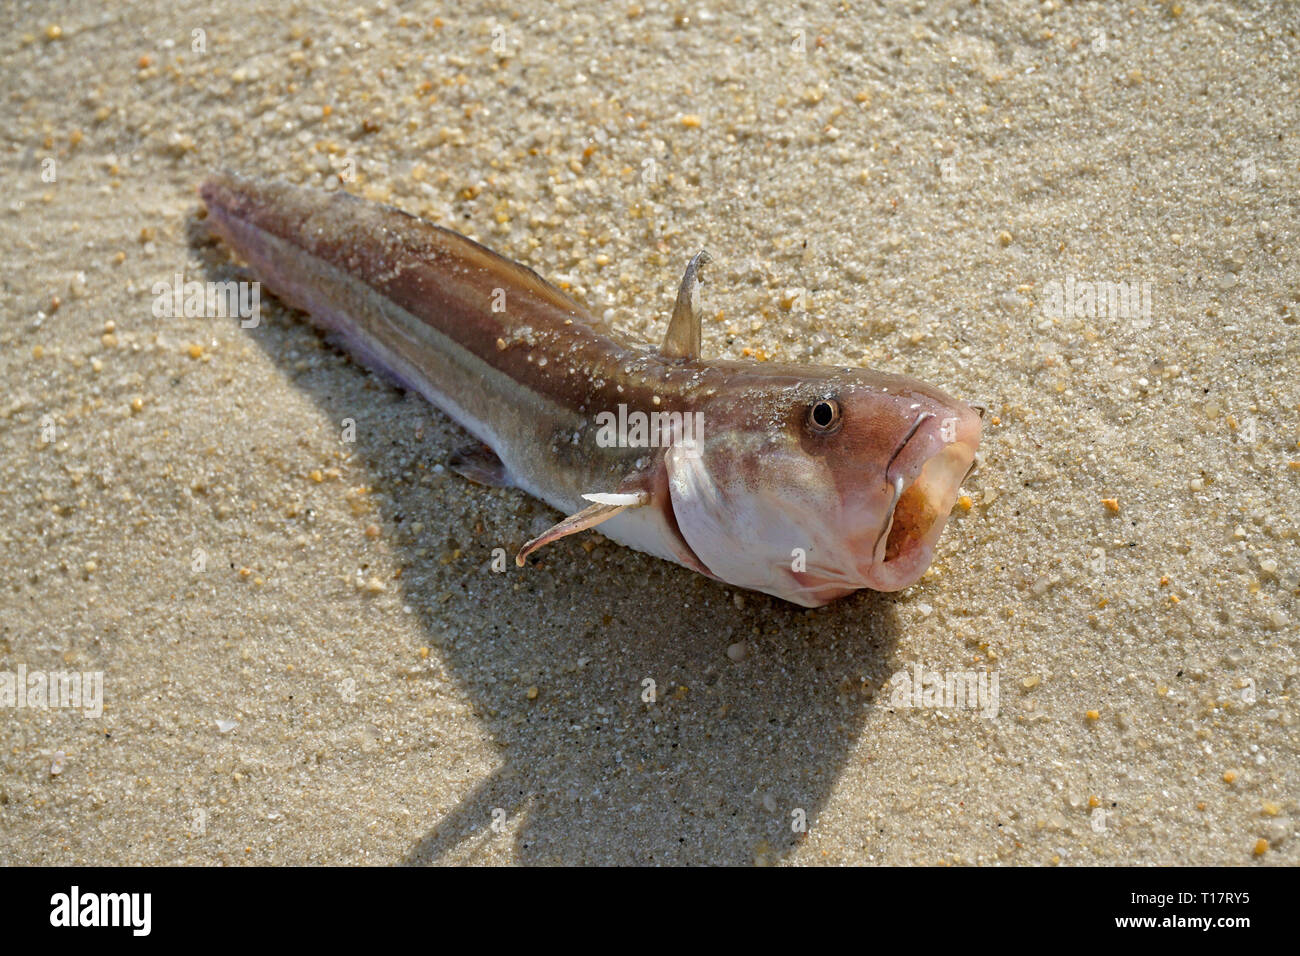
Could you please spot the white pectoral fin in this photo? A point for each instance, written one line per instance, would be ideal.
(604, 507)
(633, 500)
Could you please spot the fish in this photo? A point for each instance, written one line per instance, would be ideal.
(805, 482)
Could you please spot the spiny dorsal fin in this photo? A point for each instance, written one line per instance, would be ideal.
(683, 338)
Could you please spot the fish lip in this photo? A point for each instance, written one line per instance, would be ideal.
(943, 471)
(880, 551)
(823, 584)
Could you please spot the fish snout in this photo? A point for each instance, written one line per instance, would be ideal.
(925, 487)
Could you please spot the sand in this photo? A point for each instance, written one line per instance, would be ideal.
(306, 656)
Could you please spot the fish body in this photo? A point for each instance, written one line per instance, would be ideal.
(806, 482)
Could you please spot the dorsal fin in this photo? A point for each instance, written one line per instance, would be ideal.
(683, 338)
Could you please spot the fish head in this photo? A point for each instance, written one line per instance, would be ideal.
(809, 483)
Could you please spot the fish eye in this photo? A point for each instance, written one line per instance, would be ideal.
(824, 416)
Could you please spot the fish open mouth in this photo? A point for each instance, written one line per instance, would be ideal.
(918, 517)
(914, 516)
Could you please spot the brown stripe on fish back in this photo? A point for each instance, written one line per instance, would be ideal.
(451, 283)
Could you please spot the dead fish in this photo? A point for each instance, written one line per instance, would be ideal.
(805, 482)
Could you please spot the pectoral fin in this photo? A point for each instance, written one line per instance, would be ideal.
(605, 507)
(683, 338)
(480, 464)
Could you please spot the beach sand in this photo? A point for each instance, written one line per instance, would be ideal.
(306, 656)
